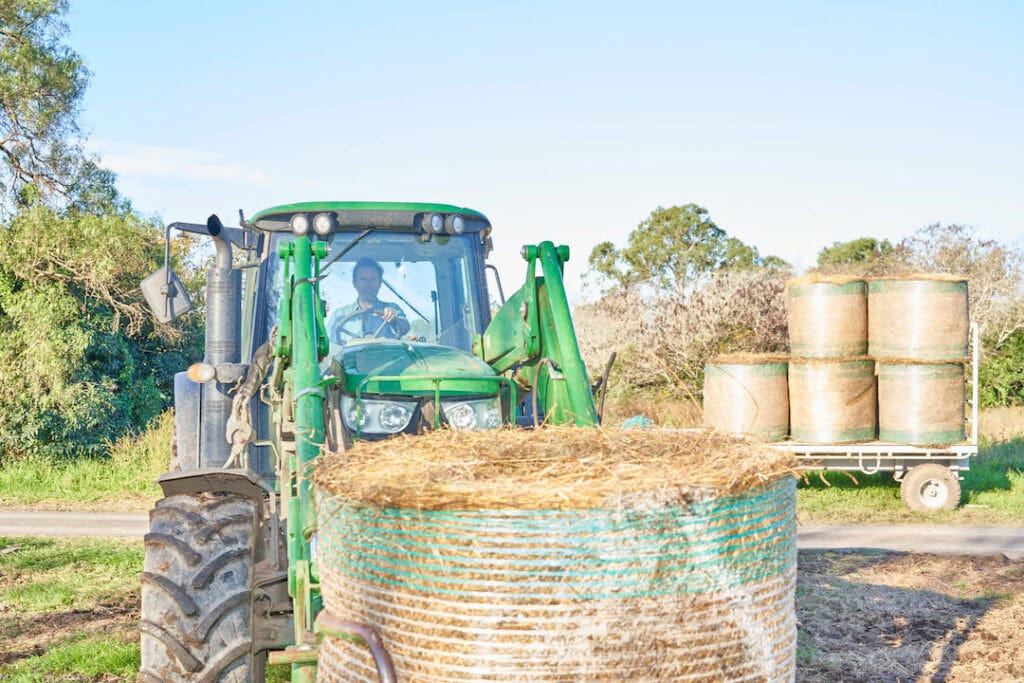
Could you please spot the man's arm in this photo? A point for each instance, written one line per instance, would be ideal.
(394, 315)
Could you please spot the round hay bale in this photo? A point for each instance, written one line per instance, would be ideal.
(921, 404)
(561, 554)
(832, 401)
(918, 317)
(747, 395)
(828, 317)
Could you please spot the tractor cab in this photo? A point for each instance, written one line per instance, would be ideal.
(425, 262)
(403, 296)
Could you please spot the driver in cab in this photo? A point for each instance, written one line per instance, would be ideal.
(367, 316)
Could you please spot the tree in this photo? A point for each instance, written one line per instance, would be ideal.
(995, 273)
(81, 362)
(41, 85)
(672, 248)
(864, 251)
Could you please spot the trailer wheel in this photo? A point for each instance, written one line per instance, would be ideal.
(197, 590)
(930, 487)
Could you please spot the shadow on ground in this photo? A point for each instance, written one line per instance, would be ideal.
(887, 617)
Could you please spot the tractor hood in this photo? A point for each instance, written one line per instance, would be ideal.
(394, 367)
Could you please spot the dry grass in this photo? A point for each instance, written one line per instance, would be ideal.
(742, 358)
(916, 277)
(1001, 424)
(665, 410)
(921, 361)
(900, 617)
(548, 468)
(823, 278)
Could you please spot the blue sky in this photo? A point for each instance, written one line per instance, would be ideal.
(795, 124)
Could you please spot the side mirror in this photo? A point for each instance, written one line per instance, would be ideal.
(165, 295)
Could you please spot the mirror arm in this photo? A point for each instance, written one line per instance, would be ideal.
(167, 269)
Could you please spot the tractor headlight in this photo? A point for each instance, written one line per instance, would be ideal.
(393, 417)
(476, 414)
(300, 224)
(455, 225)
(374, 416)
(433, 222)
(322, 223)
(350, 413)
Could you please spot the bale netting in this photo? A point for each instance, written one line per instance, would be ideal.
(561, 554)
(832, 401)
(747, 395)
(828, 316)
(921, 403)
(919, 317)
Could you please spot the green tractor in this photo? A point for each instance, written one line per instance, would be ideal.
(356, 320)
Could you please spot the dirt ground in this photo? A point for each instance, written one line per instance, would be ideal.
(888, 617)
(871, 617)
(29, 635)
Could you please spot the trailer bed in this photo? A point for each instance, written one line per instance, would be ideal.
(878, 456)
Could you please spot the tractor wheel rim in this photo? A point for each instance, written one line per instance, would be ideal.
(934, 493)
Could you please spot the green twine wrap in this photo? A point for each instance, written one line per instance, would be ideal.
(453, 591)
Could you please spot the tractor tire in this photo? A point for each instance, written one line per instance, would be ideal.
(930, 487)
(197, 594)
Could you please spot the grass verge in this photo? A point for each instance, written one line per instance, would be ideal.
(121, 481)
(68, 609)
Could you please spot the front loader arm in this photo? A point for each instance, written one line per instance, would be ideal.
(301, 343)
(532, 338)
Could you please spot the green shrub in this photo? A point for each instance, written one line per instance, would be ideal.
(1001, 374)
(81, 361)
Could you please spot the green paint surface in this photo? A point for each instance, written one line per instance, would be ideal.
(412, 207)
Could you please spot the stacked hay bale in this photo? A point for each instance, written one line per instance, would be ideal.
(832, 388)
(747, 395)
(918, 333)
(561, 554)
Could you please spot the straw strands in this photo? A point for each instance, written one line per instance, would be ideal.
(550, 468)
(561, 554)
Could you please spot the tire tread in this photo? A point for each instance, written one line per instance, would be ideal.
(196, 620)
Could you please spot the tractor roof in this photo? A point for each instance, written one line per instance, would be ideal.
(358, 215)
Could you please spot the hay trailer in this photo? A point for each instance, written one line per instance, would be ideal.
(929, 476)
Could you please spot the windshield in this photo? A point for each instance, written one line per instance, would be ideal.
(396, 286)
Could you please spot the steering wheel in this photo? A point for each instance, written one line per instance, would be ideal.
(340, 325)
